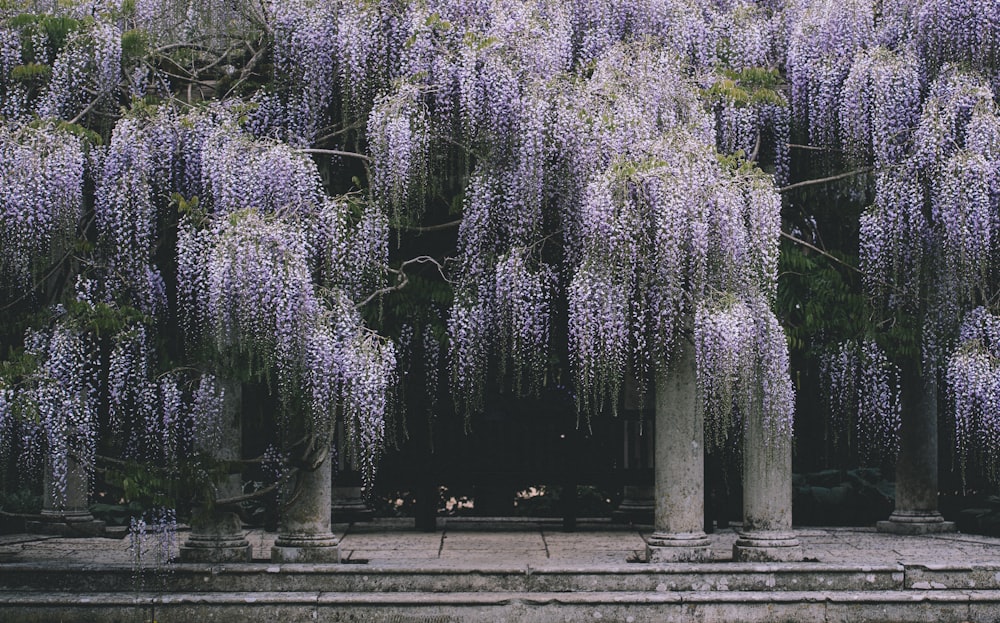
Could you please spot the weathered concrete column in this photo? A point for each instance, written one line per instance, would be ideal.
(66, 512)
(304, 533)
(216, 531)
(637, 505)
(349, 504)
(916, 508)
(678, 466)
(766, 534)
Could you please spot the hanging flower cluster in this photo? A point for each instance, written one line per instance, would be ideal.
(909, 87)
(60, 399)
(880, 104)
(523, 308)
(752, 116)
(973, 374)
(962, 31)
(238, 172)
(152, 539)
(254, 286)
(933, 231)
(86, 73)
(304, 59)
(133, 182)
(894, 233)
(683, 26)
(41, 198)
(862, 388)
(398, 141)
(13, 94)
(668, 232)
(825, 36)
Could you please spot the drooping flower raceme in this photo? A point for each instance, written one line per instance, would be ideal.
(304, 34)
(862, 388)
(254, 286)
(62, 398)
(86, 73)
(133, 182)
(973, 373)
(41, 198)
(880, 104)
(825, 36)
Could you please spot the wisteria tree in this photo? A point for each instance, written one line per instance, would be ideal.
(909, 91)
(162, 255)
(325, 199)
(600, 229)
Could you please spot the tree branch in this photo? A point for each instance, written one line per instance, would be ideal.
(438, 227)
(334, 152)
(259, 493)
(811, 147)
(824, 180)
(825, 254)
(402, 279)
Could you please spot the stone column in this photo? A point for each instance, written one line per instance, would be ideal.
(637, 503)
(916, 508)
(304, 533)
(349, 504)
(216, 531)
(678, 466)
(66, 512)
(766, 534)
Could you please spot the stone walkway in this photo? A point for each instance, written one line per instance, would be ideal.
(479, 543)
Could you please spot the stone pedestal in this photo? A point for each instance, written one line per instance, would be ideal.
(637, 505)
(679, 486)
(217, 533)
(766, 534)
(66, 513)
(304, 533)
(216, 537)
(916, 507)
(349, 504)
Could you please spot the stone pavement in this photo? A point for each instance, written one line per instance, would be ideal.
(530, 571)
(515, 543)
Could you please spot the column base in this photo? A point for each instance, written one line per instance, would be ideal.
(216, 536)
(349, 505)
(66, 524)
(637, 506)
(915, 523)
(212, 550)
(767, 547)
(306, 548)
(678, 547)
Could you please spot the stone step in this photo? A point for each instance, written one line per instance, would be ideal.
(361, 578)
(910, 606)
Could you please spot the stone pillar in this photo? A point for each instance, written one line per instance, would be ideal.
(637, 505)
(916, 508)
(766, 534)
(678, 466)
(304, 533)
(349, 504)
(66, 513)
(216, 531)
